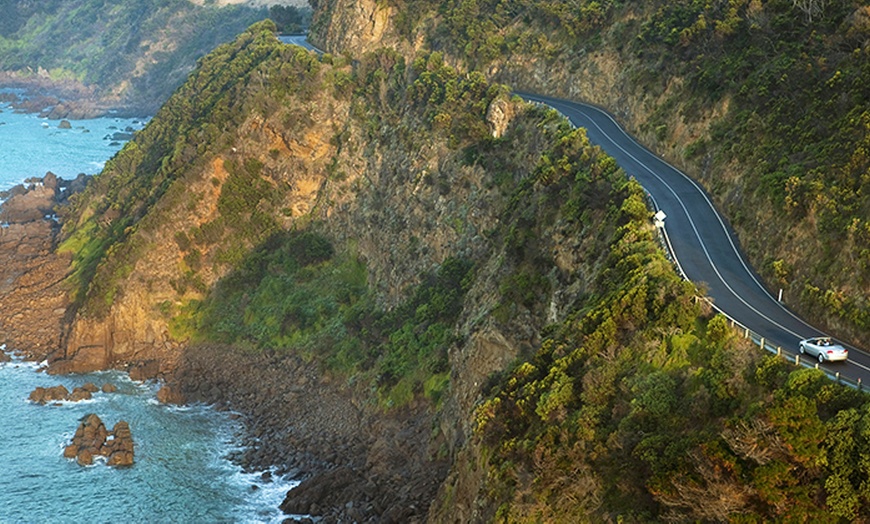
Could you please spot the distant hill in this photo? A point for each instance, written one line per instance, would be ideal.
(127, 53)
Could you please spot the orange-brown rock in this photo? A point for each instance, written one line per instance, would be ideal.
(42, 395)
(169, 394)
(32, 275)
(92, 439)
(79, 394)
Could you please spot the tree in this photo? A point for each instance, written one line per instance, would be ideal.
(810, 8)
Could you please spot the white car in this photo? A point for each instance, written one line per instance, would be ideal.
(824, 348)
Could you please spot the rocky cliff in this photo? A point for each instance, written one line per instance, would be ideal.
(680, 77)
(432, 301)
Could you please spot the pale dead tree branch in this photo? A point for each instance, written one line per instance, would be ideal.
(755, 440)
(711, 495)
(810, 8)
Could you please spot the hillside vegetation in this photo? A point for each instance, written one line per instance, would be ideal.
(766, 102)
(134, 53)
(449, 253)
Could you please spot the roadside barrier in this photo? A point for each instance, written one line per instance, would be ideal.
(793, 357)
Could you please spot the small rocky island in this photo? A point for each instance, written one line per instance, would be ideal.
(93, 440)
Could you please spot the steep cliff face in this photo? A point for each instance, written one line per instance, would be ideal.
(680, 78)
(175, 238)
(476, 220)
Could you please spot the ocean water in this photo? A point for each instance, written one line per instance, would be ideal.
(182, 472)
(30, 146)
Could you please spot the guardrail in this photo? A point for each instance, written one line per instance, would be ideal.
(794, 358)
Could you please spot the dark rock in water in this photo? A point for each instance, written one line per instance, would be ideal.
(42, 395)
(118, 136)
(64, 124)
(169, 394)
(79, 394)
(92, 439)
(4, 357)
(144, 370)
(109, 388)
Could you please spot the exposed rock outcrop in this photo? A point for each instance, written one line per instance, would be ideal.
(32, 273)
(42, 395)
(93, 440)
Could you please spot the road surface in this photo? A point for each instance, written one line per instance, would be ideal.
(703, 244)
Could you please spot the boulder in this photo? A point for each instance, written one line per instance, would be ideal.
(79, 394)
(169, 394)
(84, 457)
(42, 395)
(144, 370)
(90, 387)
(92, 439)
(64, 124)
(109, 388)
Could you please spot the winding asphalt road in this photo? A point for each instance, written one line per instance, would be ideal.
(703, 244)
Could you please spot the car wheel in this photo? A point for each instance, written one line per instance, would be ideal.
(802, 349)
(821, 358)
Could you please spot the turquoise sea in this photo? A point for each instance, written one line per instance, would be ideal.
(182, 471)
(30, 146)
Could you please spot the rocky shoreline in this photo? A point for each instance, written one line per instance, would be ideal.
(32, 273)
(356, 461)
(62, 99)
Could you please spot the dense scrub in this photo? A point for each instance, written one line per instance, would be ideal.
(626, 400)
(178, 139)
(639, 408)
(143, 50)
(765, 101)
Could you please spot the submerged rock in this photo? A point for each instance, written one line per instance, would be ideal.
(92, 440)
